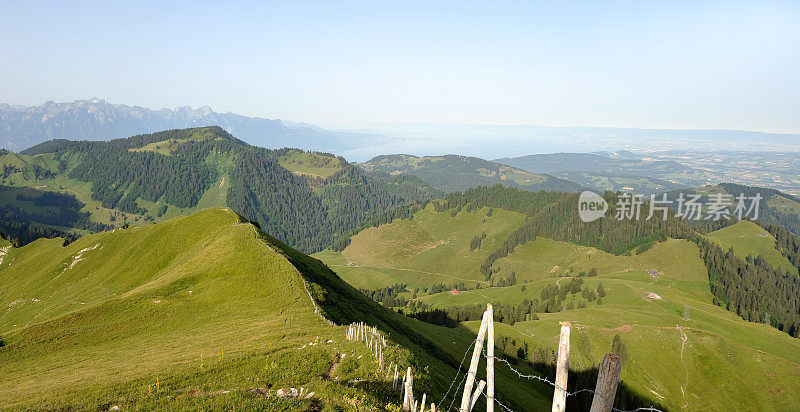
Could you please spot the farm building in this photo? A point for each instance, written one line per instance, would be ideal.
(653, 295)
(455, 292)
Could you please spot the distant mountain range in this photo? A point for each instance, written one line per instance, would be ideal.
(22, 127)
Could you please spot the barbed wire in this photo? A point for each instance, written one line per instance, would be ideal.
(458, 371)
(455, 394)
(497, 402)
(553, 384)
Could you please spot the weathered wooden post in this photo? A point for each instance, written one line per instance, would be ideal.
(473, 366)
(403, 391)
(408, 401)
(490, 360)
(422, 406)
(478, 391)
(607, 381)
(562, 369)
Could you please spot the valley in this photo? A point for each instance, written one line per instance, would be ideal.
(400, 206)
(155, 282)
(680, 327)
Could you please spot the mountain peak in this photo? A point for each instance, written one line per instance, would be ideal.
(97, 119)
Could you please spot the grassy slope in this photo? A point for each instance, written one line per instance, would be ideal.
(785, 205)
(432, 248)
(312, 164)
(199, 304)
(451, 171)
(545, 258)
(727, 363)
(8, 197)
(749, 239)
(81, 190)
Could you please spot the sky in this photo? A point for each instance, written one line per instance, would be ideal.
(665, 64)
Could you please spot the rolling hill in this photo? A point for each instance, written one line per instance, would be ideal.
(207, 312)
(152, 318)
(749, 239)
(660, 299)
(452, 173)
(776, 208)
(307, 199)
(608, 171)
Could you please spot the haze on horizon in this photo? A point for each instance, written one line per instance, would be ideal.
(676, 65)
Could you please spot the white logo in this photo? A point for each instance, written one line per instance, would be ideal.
(591, 206)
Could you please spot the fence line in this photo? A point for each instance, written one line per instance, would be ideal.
(585, 390)
(603, 395)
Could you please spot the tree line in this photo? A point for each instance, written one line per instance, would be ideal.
(22, 225)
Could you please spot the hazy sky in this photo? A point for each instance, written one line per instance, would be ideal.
(666, 64)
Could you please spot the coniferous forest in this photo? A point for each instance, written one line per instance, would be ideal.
(312, 213)
(177, 167)
(751, 288)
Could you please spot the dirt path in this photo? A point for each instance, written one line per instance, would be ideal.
(414, 270)
(684, 338)
(335, 365)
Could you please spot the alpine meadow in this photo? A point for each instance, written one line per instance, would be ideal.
(408, 207)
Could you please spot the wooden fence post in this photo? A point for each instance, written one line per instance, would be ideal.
(403, 391)
(473, 366)
(422, 406)
(478, 391)
(562, 369)
(607, 381)
(490, 360)
(408, 402)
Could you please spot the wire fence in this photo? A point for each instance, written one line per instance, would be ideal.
(458, 372)
(580, 391)
(521, 375)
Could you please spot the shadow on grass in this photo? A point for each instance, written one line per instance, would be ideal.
(626, 398)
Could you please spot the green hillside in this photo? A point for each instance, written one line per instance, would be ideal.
(206, 312)
(683, 350)
(308, 200)
(607, 172)
(451, 173)
(312, 164)
(775, 207)
(197, 312)
(749, 239)
(430, 249)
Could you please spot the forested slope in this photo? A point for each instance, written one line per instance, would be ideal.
(750, 287)
(644, 290)
(308, 200)
(451, 173)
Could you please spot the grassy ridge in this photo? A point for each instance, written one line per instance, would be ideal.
(451, 173)
(310, 164)
(432, 248)
(749, 239)
(187, 314)
(112, 318)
